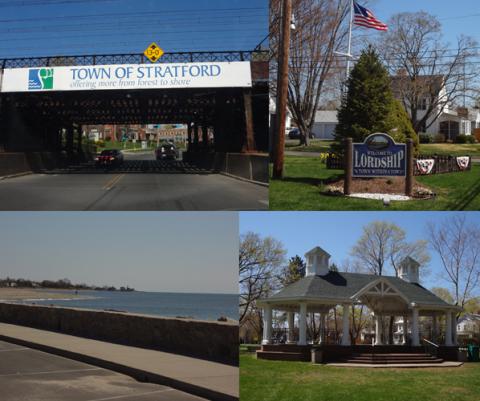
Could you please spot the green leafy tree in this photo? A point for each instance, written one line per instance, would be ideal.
(368, 106)
(293, 272)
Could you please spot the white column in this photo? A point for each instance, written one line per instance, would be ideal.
(291, 327)
(454, 329)
(405, 329)
(267, 324)
(321, 327)
(434, 328)
(378, 330)
(302, 324)
(415, 338)
(448, 328)
(346, 326)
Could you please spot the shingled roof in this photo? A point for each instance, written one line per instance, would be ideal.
(339, 286)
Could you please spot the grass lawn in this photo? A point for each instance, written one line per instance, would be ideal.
(317, 145)
(454, 149)
(262, 380)
(305, 178)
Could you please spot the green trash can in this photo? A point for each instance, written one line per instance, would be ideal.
(473, 353)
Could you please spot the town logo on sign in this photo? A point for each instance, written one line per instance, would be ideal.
(40, 78)
(379, 156)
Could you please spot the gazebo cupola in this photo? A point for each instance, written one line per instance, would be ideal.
(409, 270)
(317, 262)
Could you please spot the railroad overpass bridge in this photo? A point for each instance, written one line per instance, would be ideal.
(44, 101)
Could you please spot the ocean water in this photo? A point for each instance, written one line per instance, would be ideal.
(198, 306)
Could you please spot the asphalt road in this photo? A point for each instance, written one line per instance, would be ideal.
(27, 374)
(141, 183)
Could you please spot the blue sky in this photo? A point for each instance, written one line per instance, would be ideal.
(337, 232)
(164, 251)
(456, 18)
(71, 27)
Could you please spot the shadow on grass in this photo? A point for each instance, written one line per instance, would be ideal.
(311, 180)
(467, 197)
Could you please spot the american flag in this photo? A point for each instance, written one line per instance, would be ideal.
(365, 17)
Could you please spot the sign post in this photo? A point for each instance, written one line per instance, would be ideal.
(409, 177)
(347, 183)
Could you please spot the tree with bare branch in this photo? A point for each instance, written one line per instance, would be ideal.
(382, 247)
(427, 75)
(320, 31)
(457, 244)
(259, 262)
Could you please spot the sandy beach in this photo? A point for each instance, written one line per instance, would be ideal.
(32, 294)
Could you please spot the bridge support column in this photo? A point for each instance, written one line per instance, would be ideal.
(189, 137)
(195, 136)
(79, 140)
(69, 142)
(204, 137)
(249, 140)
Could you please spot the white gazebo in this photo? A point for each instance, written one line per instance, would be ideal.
(322, 289)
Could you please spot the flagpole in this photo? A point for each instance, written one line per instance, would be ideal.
(349, 55)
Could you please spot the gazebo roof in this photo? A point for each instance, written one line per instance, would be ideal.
(337, 286)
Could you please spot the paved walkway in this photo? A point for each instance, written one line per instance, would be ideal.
(27, 374)
(397, 365)
(203, 378)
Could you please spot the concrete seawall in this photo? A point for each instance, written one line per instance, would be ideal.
(215, 341)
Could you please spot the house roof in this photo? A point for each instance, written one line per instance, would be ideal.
(343, 286)
(431, 84)
(326, 116)
(471, 317)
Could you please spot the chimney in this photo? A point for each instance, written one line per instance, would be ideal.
(317, 262)
(408, 270)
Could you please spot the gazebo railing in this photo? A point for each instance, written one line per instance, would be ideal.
(430, 347)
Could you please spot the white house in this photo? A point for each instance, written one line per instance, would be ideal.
(451, 121)
(325, 123)
(468, 326)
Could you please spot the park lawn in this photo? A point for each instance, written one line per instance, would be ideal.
(454, 149)
(315, 145)
(305, 178)
(262, 380)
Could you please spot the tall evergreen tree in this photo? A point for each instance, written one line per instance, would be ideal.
(369, 105)
(293, 272)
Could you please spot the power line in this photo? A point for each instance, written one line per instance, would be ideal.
(190, 12)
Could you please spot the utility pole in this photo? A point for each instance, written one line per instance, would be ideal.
(282, 90)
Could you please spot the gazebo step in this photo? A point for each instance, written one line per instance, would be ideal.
(393, 361)
(286, 348)
(283, 356)
(392, 356)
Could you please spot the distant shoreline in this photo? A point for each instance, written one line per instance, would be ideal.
(33, 294)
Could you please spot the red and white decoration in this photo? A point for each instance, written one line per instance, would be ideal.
(463, 162)
(425, 166)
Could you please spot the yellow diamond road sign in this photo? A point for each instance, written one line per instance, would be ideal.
(153, 52)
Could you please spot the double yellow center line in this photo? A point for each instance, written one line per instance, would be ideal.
(111, 183)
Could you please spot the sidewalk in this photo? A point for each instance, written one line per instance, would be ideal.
(199, 377)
